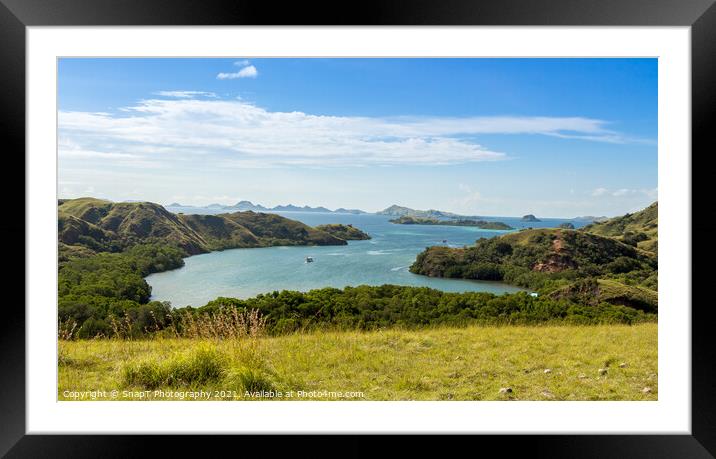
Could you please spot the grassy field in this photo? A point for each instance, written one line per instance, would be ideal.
(610, 362)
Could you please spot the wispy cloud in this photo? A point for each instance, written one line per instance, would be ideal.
(238, 134)
(246, 72)
(651, 193)
(185, 94)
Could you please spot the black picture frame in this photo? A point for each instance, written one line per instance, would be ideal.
(700, 15)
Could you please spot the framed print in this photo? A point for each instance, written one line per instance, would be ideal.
(243, 221)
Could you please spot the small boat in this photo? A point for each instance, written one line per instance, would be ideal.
(309, 259)
(444, 241)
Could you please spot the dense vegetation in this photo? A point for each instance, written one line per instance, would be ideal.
(96, 292)
(362, 307)
(369, 307)
(616, 269)
(482, 224)
(345, 232)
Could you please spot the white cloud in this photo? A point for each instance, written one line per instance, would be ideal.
(185, 94)
(599, 192)
(623, 192)
(246, 72)
(233, 133)
(243, 63)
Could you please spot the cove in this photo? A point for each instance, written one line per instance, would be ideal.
(385, 259)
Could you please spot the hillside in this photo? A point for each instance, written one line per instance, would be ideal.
(639, 229)
(88, 225)
(594, 291)
(555, 260)
(546, 250)
(345, 232)
(125, 224)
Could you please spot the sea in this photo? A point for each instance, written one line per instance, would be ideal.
(384, 259)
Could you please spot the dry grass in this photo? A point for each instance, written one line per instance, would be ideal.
(470, 363)
(227, 323)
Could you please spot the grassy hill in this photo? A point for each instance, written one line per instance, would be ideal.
(545, 250)
(126, 224)
(640, 228)
(274, 229)
(620, 252)
(594, 291)
(347, 232)
(89, 225)
(612, 362)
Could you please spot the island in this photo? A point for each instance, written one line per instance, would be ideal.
(530, 218)
(400, 211)
(345, 232)
(341, 210)
(566, 225)
(482, 224)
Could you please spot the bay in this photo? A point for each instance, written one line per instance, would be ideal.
(384, 259)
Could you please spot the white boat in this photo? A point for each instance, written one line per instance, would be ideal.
(309, 259)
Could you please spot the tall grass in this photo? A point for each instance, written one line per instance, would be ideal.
(226, 323)
(67, 330)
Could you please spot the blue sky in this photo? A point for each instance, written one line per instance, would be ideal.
(553, 137)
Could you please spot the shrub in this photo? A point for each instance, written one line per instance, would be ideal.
(94, 328)
(201, 366)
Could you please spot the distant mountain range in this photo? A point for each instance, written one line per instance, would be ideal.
(392, 211)
(248, 205)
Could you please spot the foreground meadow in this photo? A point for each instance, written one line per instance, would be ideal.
(602, 362)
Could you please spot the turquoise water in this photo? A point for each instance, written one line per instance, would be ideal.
(243, 273)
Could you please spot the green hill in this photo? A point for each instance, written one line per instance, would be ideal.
(546, 250)
(345, 232)
(639, 229)
(89, 225)
(555, 260)
(126, 224)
